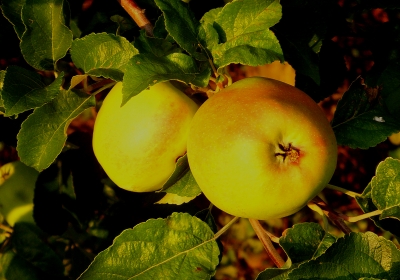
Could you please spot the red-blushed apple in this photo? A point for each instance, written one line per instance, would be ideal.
(261, 149)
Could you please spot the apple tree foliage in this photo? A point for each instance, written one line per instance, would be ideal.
(68, 62)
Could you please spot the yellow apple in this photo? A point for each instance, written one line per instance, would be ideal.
(261, 149)
(17, 184)
(276, 70)
(138, 144)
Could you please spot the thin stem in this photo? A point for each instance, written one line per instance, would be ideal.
(361, 217)
(342, 190)
(6, 228)
(226, 227)
(137, 14)
(313, 206)
(209, 60)
(98, 84)
(266, 241)
(332, 215)
(103, 88)
(274, 238)
(213, 67)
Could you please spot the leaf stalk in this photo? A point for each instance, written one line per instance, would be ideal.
(226, 227)
(342, 190)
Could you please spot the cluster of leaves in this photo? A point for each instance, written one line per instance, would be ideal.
(189, 48)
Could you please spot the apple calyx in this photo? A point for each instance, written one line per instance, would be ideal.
(289, 152)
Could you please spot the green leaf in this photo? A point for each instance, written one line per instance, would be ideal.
(360, 121)
(24, 90)
(76, 80)
(203, 76)
(124, 23)
(156, 46)
(206, 216)
(181, 187)
(73, 25)
(13, 267)
(185, 186)
(159, 30)
(248, 51)
(181, 25)
(102, 54)
(305, 241)
(46, 38)
(211, 16)
(145, 70)
(275, 273)
(247, 16)
(208, 35)
(243, 27)
(366, 204)
(385, 188)
(12, 11)
(27, 242)
(178, 247)
(302, 58)
(354, 256)
(171, 198)
(43, 133)
(181, 167)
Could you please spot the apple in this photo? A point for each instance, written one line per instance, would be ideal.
(138, 144)
(17, 184)
(276, 70)
(261, 149)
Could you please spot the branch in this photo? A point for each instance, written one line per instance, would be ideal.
(137, 14)
(266, 241)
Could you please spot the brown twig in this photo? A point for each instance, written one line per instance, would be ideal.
(332, 215)
(266, 241)
(137, 14)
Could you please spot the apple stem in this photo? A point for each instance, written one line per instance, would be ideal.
(226, 227)
(342, 190)
(332, 215)
(289, 152)
(266, 241)
(137, 14)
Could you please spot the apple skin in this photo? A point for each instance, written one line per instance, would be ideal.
(138, 144)
(17, 184)
(235, 149)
